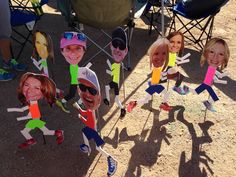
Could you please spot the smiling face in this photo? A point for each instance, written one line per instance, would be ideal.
(160, 55)
(90, 101)
(73, 53)
(216, 55)
(118, 55)
(41, 45)
(32, 89)
(175, 43)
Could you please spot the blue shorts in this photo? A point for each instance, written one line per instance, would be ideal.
(203, 87)
(92, 134)
(154, 88)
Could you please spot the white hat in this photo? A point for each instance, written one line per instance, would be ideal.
(89, 75)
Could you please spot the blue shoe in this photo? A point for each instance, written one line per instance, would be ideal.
(112, 166)
(85, 148)
(186, 89)
(180, 90)
(209, 106)
(13, 64)
(6, 76)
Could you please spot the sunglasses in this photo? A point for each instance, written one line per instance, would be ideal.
(91, 90)
(70, 35)
(118, 44)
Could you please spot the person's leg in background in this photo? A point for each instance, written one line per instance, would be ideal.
(5, 43)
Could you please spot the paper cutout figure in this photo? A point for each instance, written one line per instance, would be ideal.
(43, 51)
(32, 88)
(173, 71)
(89, 92)
(158, 53)
(73, 46)
(216, 53)
(119, 51)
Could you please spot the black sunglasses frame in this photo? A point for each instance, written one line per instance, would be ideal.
(91, 90)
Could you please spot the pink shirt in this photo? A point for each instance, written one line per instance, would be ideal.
(209, 75)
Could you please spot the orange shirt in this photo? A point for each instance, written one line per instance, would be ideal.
(34, 110)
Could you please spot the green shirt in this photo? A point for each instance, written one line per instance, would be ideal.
(115, 69)
(44, 63)
(74, 70)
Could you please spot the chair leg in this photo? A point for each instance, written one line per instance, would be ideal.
(23, 45)
(151, 24)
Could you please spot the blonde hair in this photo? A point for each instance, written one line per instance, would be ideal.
(49, 45)
(152, 49)
(48, 87)
(209, 45)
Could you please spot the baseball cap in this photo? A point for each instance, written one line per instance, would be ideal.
(119, 38)
(89, 75)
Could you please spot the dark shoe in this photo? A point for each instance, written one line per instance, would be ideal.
(165, 107)
(122, 112)
(6, 76)
(186, 89)
(179, 90)
(209, 106)
(112, 166)
(106, 102)
(27, 143)
(60, 136)
(13, 64)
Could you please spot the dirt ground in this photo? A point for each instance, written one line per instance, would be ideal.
(187, 141)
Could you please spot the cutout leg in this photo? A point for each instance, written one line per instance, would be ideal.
(107, 90)
(46, 131)
(25, 133)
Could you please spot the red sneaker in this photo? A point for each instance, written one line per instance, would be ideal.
(60, 136)
(165, 107)
(27, 143)
(131, 105)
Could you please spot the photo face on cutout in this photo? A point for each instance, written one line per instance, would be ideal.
(118, 54)
(73, 53)
(32, 89)
(216, 55)
(175, 43)
(41, 45)
(89, 95)
(160, 55)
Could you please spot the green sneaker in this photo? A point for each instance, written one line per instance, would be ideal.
(6, 76)
(13, 64)
(63, 106)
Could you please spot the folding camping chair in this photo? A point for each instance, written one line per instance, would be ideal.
(23, 18)
(198, 17)
(110, 14)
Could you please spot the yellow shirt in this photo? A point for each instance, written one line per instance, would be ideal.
(156, 76)
(115, 69)
(172, 59)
